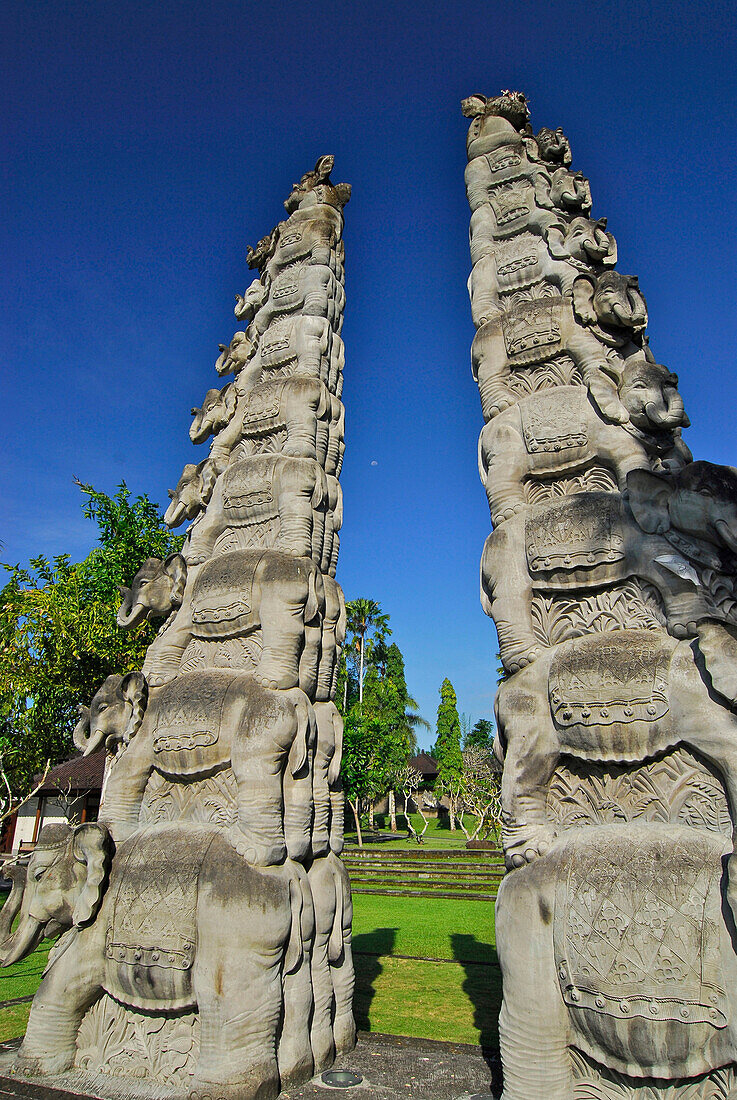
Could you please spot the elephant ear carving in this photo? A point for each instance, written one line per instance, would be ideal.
(304, 736)
(649, 495)
(717, 644)
(555, 236)
(175, 568)
(604, 389)
(90, 846)
(134, 688)
(583, 300)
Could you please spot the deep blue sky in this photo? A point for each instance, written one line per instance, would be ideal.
(145, 145)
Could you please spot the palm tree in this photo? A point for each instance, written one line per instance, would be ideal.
(362, 616)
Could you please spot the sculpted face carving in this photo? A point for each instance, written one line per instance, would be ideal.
(216, 413)
(259, 256)
(649, 393)
(65, 879)
(554, 146)
(114, 715)
(583, 240)
(700, 500)
(511, 106)
(192, 493)
(612, 300)
(156, 589)
(234, 356)
(570, 191)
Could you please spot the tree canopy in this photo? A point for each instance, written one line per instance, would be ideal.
(58, 635)
(447, 750)
(481, 736)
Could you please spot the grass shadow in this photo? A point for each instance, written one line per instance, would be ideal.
(482, 985)
(367, 949)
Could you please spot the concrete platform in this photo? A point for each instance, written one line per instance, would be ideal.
(391, 1066)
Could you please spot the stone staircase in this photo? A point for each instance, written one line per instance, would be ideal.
(429, 872)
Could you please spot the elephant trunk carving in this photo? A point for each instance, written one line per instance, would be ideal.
(16, 872)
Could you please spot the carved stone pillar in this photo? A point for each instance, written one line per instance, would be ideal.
(610, 575)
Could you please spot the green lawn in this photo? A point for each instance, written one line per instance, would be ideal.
(456, 1000)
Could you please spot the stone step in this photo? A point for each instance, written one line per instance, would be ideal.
(467, 895)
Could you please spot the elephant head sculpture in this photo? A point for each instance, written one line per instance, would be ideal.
(216, 412)
(114, 715)
(66, 877)
(234, 356)
(554, 146)
(611, 304)
(570, 191)
(192, 493)
(584, 240)
(699, 502)
(155, 591)
(644, 394)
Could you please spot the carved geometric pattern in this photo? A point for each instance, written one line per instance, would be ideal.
(595, 479)
(628, 606)
(210, 801)
(121, 1042)
(677, 789)
(239, 653)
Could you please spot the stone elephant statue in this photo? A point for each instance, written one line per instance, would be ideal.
(299, 346)
(553, 146)
(333, 1029)
(267, 737)
(192, 493)
(596, 329)
(237, 355)
(309, 237)
(557, 258)
(298, 417)
(638, 977)
(311, 289)
(249, 303)
(578, 544)
(219, 944)
(327, 791)
(215, 413)
(698, 501)
(559, 431)
(621, 697)
(267, 499)
(114, 716)
(156, 590)
(495, 121)
(570, 192)
(258, 610)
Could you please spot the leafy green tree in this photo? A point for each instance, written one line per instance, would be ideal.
(58, 635)
(367, 627)
(447, 750)
(481, 736)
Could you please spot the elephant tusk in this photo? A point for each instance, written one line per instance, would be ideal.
(24, 940)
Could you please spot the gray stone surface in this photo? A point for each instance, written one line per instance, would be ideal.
(391, 1067)
(611, 576)
(206, 918)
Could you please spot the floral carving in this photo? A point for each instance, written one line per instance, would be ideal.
(595, 479)
(204, 801)
(676, 788)
(546, 376)
(120, 1042)
(593, 1082)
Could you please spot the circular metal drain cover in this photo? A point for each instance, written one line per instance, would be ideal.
(341, 1078)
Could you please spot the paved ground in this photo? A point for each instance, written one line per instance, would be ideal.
(391, 1067)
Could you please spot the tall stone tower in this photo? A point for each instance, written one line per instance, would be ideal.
(208, 915)
(611, 577)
